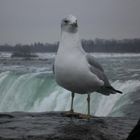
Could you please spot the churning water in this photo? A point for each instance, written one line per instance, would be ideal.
(25, 89)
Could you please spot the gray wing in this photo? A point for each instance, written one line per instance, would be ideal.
(92, 61)
(100, 74)
(97, 69)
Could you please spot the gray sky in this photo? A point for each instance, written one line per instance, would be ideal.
(28, 21)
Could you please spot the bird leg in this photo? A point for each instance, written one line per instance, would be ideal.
(72, 97)
(71, 112)
(88, 101)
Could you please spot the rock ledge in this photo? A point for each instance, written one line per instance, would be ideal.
(58, 126)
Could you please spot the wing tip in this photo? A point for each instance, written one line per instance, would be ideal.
(115, 90)
(118, 91)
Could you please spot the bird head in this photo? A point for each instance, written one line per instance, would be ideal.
(69, 24)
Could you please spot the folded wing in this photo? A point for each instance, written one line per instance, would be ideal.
(98, 70)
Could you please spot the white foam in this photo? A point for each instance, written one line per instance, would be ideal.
(28, 92)
(101, 105)
(102, 55)
(108, 104)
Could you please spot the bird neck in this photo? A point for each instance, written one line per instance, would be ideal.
(70, 40)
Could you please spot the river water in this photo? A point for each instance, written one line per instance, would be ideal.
(32, 87)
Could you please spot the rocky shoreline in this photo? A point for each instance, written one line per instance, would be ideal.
(59, 126)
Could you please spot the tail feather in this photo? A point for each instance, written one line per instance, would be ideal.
(107, 90)
(115, 90)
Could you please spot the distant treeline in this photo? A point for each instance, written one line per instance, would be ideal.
(97, 45)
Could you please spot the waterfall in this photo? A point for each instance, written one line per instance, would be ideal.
(39, 92)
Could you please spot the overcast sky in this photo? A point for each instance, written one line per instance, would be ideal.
(28, 21)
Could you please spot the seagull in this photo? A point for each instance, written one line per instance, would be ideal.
(76, 70)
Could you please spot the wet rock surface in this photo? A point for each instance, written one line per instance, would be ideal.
(135, 133)
(58, 126)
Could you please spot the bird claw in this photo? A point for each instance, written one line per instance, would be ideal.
(77, 115)
(71, 113)
(87, 117)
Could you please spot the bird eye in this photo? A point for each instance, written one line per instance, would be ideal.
(66, 21)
